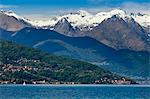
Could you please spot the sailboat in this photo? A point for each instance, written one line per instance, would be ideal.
(24, 83)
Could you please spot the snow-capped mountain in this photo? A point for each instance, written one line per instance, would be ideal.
(120, 34)
(64, 27)
(114, 28)
(115, 37)
(12, 22)
(142, 19)
(85, 20)
(82, 19)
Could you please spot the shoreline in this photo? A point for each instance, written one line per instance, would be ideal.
(76, 85)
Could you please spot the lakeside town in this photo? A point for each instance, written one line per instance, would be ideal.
(10, 68)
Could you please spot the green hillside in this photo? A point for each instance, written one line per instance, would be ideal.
(19, 64)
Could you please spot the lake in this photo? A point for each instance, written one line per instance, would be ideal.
(74, 92)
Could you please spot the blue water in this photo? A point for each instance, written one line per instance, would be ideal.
(73, 92)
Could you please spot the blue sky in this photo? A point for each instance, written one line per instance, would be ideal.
(70, 2)
(41, 8)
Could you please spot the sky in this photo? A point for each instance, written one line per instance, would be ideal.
(42, 9)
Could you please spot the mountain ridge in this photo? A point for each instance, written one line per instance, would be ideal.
(82, 24)
(87, 49)
(31, 65)
(86, 18)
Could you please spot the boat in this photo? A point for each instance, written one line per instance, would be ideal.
(24, 83)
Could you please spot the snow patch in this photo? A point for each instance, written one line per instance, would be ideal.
(85, 20)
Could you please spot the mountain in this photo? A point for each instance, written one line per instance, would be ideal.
(82, 19)
(124, 62)
(117, 41)
(142, 19)
(6, 35)
(120, 34)
(134, 64)
(116, 23)
(12, 22)
(87, 21)
(63, 26)
(84, 48)
(23, 64)
(82, 23)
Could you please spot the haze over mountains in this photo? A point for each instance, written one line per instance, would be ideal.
(115, 40)
(125, 62)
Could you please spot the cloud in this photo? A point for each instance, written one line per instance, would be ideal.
(40, 12)
(136, 7)
(36, 16)
(117, 3)
(128, 5)
(7, 6)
